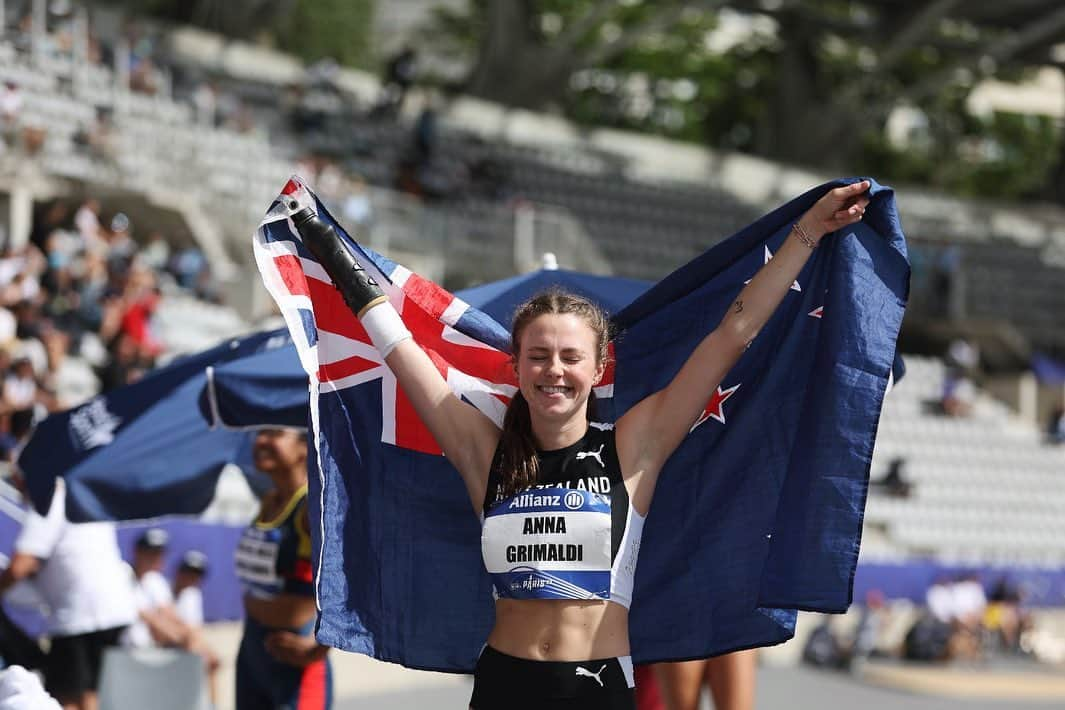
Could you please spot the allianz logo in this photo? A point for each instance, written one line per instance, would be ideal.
(92, 425)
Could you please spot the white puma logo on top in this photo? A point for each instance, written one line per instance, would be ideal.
(581, 670)
(597, 455)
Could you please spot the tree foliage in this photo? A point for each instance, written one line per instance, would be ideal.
(310, 29)
(805, 81)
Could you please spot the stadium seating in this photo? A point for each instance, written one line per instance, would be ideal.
(985, 489)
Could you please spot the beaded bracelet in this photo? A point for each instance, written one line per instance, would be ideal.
(803, 236)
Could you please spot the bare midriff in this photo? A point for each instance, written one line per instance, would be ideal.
(560, 630)
(285, 611)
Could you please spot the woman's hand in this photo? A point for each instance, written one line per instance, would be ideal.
(836, 209)
(293, 649)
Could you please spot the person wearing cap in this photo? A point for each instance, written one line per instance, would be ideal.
(158, 622)
(78, 570)
(188, 597)
(152, 594)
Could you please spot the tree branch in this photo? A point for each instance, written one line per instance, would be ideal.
(1034, 32)
(577, 29)
(918, 26)
(659, 21)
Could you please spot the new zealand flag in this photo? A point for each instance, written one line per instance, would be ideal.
(757, 514)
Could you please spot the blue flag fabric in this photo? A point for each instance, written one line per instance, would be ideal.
(142, 450)
(756, 515)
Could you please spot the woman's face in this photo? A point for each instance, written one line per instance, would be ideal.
(557, 366)
(279, 451)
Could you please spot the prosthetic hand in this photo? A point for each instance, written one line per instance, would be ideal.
(359, 290)
(357, 287)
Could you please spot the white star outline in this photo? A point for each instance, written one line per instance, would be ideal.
(768, 257)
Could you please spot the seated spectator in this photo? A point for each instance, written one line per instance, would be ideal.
(1056, 426)
(970, 601)
(870, 626)
(158, 622)
(188, 584)
(894, 483)
(1002, 618)
(959, 394)
(10, 109)
(823, 649)
(19, 395)
(951, 628)
(151, 592)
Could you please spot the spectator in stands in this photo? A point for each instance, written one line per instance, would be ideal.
(47, 217)
(1002, 617)
(125, 365)
(87, 221)
(10, 113)
(150, 589)
(1056, 426)
(188, 583)
(399, 76)
(20, 395)
(78, 570)
(158, 622)
(357, 208)
(951, 628)
(946, 284)
(894, 482)
(959, 393)
(870, 627)
(969, 602)
(823, 647)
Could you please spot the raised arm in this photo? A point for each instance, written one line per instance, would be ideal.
(467, 437)
(652, 429)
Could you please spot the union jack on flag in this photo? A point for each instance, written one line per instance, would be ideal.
(469, 349)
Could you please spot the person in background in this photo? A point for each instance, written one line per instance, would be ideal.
(158, 621)
(21, 690)
(78, 570)
(730, 679)
(151, 592)
(188, 593)
(1056, 426)
(280, 664)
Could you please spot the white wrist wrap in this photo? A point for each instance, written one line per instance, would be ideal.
(385, 327)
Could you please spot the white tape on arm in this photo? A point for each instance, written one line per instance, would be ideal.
(385, 327)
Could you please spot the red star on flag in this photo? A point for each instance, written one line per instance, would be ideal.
(715, 409)
(768, 256)
(816, 313)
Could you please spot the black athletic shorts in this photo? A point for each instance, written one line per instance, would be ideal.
(503, 682)
(73, 662)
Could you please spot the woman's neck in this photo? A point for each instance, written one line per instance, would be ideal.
(549, 436)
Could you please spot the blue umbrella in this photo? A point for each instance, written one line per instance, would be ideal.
(270, 388)
(142, 450)
(500, 299)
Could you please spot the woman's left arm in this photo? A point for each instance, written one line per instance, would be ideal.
(652, 429)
